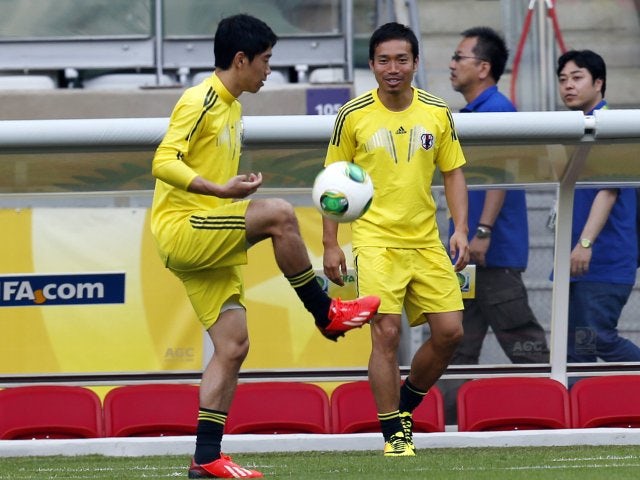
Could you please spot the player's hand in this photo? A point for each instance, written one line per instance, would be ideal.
(241, 186)
(335, 264)
(459, 250)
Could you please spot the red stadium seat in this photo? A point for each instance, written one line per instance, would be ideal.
(612, 401)
(353, 410)
(516, 403)
(152, 410)
(279, 407)
(49, 411)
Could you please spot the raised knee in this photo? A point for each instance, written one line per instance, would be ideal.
(283, 216)
(282, 209)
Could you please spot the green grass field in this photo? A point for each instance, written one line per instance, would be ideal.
(552, 463)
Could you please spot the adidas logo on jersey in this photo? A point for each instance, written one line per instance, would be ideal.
(400, 131)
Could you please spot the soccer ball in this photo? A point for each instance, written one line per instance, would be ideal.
(343, 192)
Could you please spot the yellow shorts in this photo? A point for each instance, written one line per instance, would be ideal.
(219, 239)
(420, 280)
(207, 260)
(213, 291)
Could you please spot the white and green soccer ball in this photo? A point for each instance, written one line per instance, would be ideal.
(342, 191)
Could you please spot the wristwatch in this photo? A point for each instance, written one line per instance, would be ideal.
(483, 231)
(585, 243)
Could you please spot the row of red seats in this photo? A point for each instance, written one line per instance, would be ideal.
(51, 411)
(514, 403)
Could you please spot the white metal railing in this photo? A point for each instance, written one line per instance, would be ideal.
(314, 130)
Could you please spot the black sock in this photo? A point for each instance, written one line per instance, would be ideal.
(410, 396)
(313, 297)
(390, 424)
(209, 435)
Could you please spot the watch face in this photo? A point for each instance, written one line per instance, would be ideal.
(585, 242)
(482, 232)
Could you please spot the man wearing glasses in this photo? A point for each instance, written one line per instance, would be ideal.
(498, 233)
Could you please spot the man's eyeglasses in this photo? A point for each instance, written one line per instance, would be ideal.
(456, 57)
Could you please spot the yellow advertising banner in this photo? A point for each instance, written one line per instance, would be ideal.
(83, 291)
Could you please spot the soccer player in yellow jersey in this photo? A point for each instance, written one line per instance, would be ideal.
(400, 135)
(203, 235)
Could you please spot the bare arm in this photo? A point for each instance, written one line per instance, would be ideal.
(455, 189)
(493, 201)
(239, 186)
(598, 215)
(334, 261)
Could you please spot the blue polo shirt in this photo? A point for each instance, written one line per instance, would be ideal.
(491, 100)
(509, 245)
(615, 252)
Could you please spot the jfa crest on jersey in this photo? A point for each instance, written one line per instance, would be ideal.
(427, 140)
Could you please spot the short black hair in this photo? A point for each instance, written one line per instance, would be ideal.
(241, 33)
(393, 31)
(588, 59)
(490, 47)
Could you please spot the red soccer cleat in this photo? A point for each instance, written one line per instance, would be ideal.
(221, 468)
(345, 316)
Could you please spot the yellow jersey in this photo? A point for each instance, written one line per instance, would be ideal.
(400, 151)
(204, 138)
